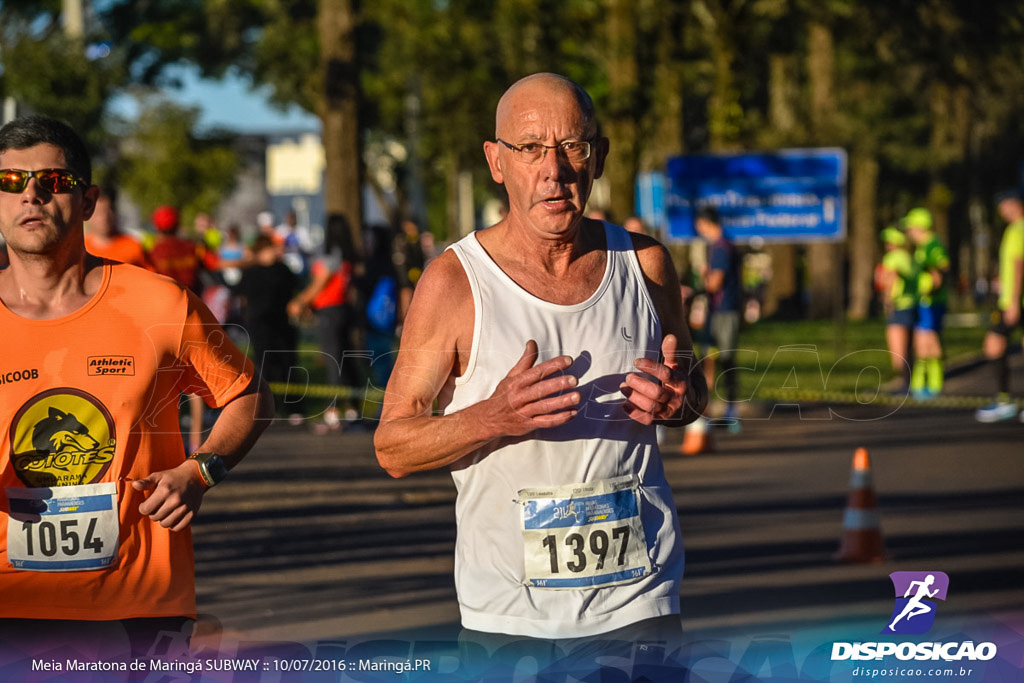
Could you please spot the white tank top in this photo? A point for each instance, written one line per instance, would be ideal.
(570, 531)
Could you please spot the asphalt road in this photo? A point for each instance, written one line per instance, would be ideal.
(310, 541)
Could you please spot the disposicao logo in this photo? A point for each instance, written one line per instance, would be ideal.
(914, 613)
(916, 593)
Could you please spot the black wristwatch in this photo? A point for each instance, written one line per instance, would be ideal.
(211, 468)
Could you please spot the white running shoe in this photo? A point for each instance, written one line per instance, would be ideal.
(997, 412)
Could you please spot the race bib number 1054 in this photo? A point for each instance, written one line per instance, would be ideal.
(584, 535)
(63, 528)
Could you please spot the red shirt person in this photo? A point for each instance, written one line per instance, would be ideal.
(172, 255)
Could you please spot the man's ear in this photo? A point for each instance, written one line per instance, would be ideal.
(599, 154)
(89, 199)
(491, 151)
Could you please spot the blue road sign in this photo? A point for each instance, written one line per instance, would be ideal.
(793, 195)
(650, 199)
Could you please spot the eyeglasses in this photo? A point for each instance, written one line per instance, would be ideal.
(53, 180)
(575, 151)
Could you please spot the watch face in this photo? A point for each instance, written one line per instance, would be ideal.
(214, 470)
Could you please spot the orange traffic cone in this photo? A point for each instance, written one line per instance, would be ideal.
(697, 438)
(862, 536)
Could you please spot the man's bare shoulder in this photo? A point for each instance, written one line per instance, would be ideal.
(654, 259)
(445, 278)
(442, 305)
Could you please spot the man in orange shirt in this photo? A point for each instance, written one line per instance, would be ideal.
(104, 237)
(96, 490)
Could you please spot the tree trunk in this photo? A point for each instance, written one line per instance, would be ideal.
(725, 114)
(781, 291)
(621, 116)
(821, 258)
(667, 115)
(452, 171)
(666, 118)
(782, 95)
(821, 280)
(863, 252)
(339, 113)
(821, 75)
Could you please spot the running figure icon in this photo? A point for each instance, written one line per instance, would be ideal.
(916, 606)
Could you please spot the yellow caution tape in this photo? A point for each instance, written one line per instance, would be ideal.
(793, 395)
(325, 391)
(873, 398)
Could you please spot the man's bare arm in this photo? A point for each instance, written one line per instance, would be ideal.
(438, 332)
(175, 495)
(714, 280)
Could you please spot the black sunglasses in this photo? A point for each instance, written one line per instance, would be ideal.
(53, 180)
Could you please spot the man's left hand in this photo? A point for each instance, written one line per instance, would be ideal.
(660, 398)
(174, 495)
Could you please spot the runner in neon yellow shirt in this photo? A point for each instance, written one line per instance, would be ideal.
(898, 285)
(933, 266)
(1007, 317)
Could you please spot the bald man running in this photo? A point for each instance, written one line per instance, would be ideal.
(553, 344)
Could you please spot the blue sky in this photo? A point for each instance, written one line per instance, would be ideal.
(231, 104)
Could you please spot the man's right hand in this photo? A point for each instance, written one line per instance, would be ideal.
(530, 397)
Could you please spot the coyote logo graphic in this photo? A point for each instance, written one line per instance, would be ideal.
(62, 438)
(60, 432)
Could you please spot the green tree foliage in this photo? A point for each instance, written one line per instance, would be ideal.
(925, 95)
(164, 163)
(49, 72)
(308, 52)
(438, 69)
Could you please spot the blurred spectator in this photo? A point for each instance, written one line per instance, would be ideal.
(265, 224)
(208, 238)
(720, 279)
(1007, 317)
(232, 248)
(295, 243)
(379, 289)
(932, 260)
(409, 261)
(104, 238)
(171, 255)
(178, 259)
(897, 286)
(232, 255)
(328, 296)
(215, 292)
(428, 246)
(266, 286)
(634, 224)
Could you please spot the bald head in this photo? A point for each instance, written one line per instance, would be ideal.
(544, 112)
(515, 104)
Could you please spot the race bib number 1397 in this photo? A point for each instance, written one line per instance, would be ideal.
(584, 535)
(63, 528)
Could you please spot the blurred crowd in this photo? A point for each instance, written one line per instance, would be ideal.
(323, 306)
(310, 305)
